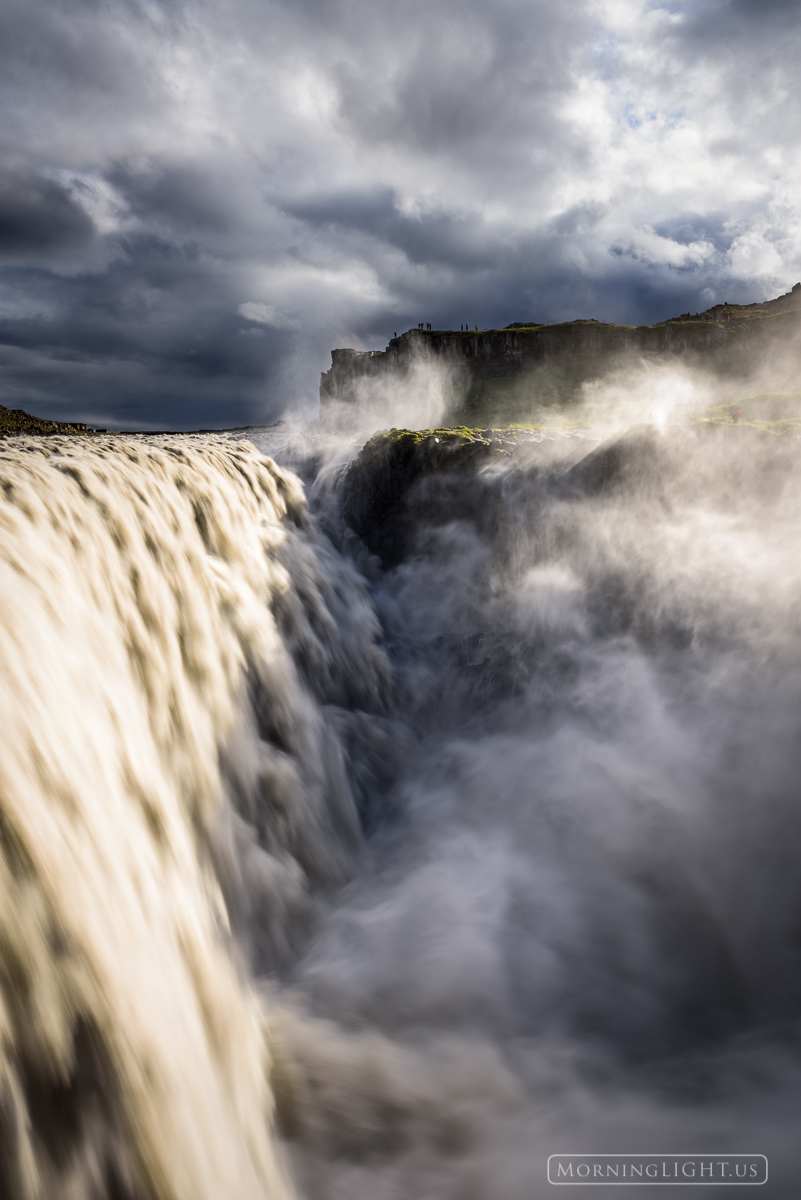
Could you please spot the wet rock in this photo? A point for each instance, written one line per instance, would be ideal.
(378, 483)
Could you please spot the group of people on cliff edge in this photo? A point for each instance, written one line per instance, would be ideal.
(426, 327)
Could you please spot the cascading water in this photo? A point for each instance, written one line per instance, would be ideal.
(348, 879)
(175, 642)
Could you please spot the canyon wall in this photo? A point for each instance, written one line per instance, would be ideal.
(503, 373)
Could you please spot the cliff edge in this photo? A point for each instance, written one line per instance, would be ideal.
(499, 374)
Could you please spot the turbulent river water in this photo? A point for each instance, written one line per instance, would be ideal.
(327, 877)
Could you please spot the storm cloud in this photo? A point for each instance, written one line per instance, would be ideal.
(199, 201)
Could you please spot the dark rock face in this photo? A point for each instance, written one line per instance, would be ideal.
(551, 362)
(381, 482)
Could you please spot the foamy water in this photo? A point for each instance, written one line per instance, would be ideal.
(146, 589)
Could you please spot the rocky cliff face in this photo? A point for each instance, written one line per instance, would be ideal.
(501, 372)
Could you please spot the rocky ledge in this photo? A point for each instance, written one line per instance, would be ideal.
(380, 481)
(406, 483)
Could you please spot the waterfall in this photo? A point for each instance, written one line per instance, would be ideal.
(175, 639)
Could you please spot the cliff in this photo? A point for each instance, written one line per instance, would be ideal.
(498, 374)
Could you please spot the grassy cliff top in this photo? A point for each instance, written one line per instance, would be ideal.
(755, 311)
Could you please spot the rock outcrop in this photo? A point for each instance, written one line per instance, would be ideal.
(391, 467)
(16, 422)
(497, 373)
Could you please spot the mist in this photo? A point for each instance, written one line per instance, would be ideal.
(578, 925)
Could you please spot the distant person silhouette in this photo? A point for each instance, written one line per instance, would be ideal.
(736, 416)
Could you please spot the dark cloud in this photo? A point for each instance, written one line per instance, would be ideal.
(462, 241)
(38, 215)
(759, 11)
(202, 201)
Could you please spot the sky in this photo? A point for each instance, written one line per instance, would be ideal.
(199, 199)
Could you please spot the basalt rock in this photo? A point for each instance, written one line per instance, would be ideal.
(381, 481)
(498, 374)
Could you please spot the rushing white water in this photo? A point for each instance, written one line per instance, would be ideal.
(145, 589)
(392, 884)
